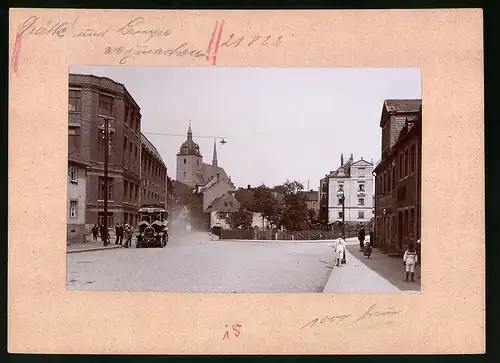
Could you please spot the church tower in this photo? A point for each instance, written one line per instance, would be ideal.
(214, 158)
(189, 161)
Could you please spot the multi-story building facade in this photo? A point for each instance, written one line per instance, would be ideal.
(92, 98)
(323, 201)
(77, 194)
(153, 175)
(353, 180)
(398, 176)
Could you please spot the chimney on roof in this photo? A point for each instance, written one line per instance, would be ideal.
(341, 159)
(361, 158)
(248, 186)
(352, 157)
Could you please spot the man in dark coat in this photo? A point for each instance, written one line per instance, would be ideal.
(361, 237)
(120, 233)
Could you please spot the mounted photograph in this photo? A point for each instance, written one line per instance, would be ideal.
(244, 179)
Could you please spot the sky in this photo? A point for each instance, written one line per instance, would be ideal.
(279, 123)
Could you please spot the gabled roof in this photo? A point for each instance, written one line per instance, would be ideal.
(219, 204)
(361, 162)
(346, 168)
(403, 106)
(150, 147)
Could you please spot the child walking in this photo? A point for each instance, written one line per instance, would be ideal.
(410, 259)
(340, 249)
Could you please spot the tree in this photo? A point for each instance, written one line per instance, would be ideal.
(267, 205)
(294, 215)
(313, 218)
(241, 218)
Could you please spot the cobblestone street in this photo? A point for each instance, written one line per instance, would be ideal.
(196, 263)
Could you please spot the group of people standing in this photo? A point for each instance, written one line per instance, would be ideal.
(121, 231)
(100, 231)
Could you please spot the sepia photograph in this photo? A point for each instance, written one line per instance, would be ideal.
(244, 179)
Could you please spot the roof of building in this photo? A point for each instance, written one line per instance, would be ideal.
(189, 147)
(346, 168)
(151, 148)
(74, 156)
(311, 195)
(218, 204)
(403, 106)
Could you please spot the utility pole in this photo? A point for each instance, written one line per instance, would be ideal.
(343, 215)
(106, 187)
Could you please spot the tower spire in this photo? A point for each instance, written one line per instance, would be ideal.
(190, 133)
(214, 158)
(342, 159)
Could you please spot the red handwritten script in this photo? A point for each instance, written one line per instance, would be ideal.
(15, 53)
(236, 330)
(237, 41)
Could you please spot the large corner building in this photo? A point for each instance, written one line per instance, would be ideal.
(92, 98)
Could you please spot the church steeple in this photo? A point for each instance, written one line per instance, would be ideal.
(190, 133)
(214, 158)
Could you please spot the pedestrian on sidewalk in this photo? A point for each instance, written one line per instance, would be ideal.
(117, 233)
(95, 231)
(121, 231)
(340, 249)
(128, 236)
(361, 238)
(102, 233)
(410, 259)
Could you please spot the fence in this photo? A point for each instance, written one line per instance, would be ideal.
(268, 234)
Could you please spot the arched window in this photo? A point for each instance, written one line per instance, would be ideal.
(184, 161)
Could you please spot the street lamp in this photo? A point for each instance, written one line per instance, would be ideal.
(106, 161)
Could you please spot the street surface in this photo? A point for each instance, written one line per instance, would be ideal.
(196, 263)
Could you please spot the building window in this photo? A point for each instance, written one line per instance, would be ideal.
(412, 159)
(185, 174)
(361, 171)
(341, 187)
(340, 214)
(184, 161)
(105, 105)
(75, 101)
(361, 201)
(361, 214)
(137, 123)
(136, 193)
(389, 180)
(131, 153)
(73, 174)
(339, 201)
(131, 191)
(101, 188)
(412, 220)
(400, 166)
(361, 187)
(226, 204)
(407, 163)
(102, 146)
(393, 177)
(125, 188)
(73, 209)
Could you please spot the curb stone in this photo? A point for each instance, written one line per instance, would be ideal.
(93, 249)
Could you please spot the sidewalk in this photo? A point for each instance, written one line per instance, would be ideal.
(90, 246)
(379, 274)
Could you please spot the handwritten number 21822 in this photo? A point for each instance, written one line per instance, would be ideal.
(234, 42)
